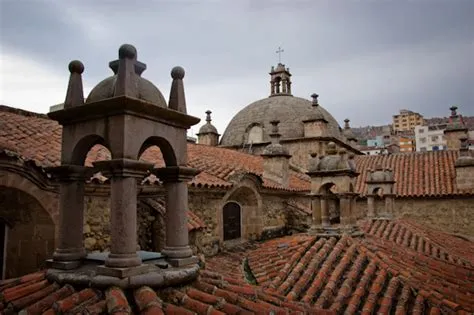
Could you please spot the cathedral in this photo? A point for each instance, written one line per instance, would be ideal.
(106, 207)
(305, 126)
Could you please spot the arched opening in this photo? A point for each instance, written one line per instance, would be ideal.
(156, 149)
(86, 149)
(277, 85)
(26, 233)
(231, 215)
(329, 193)
(247, 200)
(255, 134)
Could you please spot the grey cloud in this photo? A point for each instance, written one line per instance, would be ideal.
(337, 48)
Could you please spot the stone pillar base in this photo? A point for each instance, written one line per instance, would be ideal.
(124, 272)
(123, 260)
(181, 262)
(63, 265)
(68, 255)
(177, 251)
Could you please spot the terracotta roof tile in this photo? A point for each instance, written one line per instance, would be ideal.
(417, 174)
(373, 275)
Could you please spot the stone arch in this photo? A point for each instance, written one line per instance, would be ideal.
(83, 147)
(30, 232)
(166, 149)
(47, 199)
(249, 199)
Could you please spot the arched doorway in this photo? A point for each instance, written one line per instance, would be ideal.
(28, 233)
(232, 221)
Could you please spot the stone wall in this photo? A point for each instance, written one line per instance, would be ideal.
(451, 215)
(97, 225)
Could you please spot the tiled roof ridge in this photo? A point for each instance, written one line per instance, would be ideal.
(211, 293)
(22, 112)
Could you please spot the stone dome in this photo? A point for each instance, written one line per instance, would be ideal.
(334, 161)
(208, 128)
(380, 175)
(290, 110)
(147, 91)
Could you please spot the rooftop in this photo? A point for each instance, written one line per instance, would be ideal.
(35, 137)
(399, 267)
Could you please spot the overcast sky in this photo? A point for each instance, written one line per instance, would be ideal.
(365, 58)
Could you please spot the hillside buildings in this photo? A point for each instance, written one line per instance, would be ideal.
(406, 120)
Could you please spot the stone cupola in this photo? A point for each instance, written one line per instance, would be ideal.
(208, 134)
(332, 190)
(127, 114)
(276, 165)
(455, 130)
(349, 134)
(280, 80)
(464, 166)
(380, 187)
(315, 124)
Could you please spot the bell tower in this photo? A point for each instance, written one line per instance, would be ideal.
(280, 78)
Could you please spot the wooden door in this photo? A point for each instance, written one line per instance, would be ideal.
(231, 216)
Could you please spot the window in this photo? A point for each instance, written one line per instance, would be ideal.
(434, 138)
(423, 149)
(423, 140)
(421, 130)
(255, 134)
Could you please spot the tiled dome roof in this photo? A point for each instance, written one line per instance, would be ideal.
(290, 110)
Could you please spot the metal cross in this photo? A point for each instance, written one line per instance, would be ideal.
(279, 51)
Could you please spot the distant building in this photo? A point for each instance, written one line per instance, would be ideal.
(430, 138)
(407, 144)
(406, 121)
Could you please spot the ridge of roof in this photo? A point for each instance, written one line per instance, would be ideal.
(22, 112)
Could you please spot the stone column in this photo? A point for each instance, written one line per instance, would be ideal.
(324, 211)
(389, 201)
(70, 249)
(175, 180)
(123, 174)
(370, 206)
(345, 209)
(316, 210)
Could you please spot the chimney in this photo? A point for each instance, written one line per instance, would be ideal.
(276, 159)
(464, 166)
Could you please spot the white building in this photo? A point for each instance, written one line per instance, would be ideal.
(430, 138)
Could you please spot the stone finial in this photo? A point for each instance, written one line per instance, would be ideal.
(75, 91)
(208, 116)
(331, 148)
(275, 135)
(125, 68)
(315, 102)
(453, 110)
(346, 123)
(177, 99)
